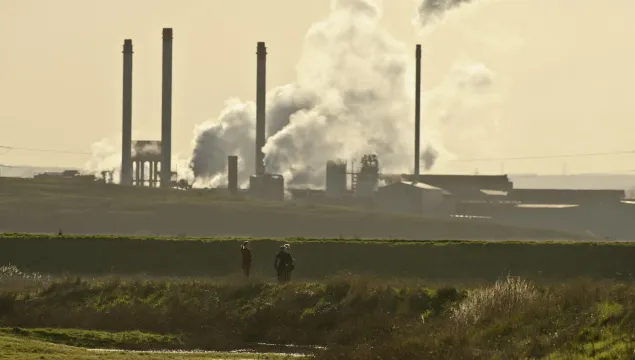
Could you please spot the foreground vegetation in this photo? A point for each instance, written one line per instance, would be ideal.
(26, 347)
(354, 318)
(449, 261)
(44, 205)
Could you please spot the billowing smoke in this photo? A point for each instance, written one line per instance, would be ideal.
(232, 134)
(429, 157)
(430, 10)
(351, 97)
(106, 156)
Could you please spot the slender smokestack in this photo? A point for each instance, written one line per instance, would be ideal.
(126, 127)
(166, 110)
(417, 112)
(232, 174)
(261, 92)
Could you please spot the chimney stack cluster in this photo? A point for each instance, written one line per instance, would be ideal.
(166, 113)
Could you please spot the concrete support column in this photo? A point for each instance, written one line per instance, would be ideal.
(137, 173)
(143, 173)
(151, 173)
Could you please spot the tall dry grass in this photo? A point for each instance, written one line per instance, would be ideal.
(504, 297)
(13, 279)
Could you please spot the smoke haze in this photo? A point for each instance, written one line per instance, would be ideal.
(500, 78)
(353, 95)
(549, 73)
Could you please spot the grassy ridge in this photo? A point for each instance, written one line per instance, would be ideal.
(316, 259)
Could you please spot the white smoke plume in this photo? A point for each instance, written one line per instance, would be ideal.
(106, 156)
(352, 96)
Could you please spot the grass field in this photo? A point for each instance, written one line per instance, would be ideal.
(450, 261)
(354, 318)
(21, 347)
(45, 205)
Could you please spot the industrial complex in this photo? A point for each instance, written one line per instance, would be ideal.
(490, 198)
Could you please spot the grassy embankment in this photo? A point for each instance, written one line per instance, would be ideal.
(19, 344)
(354, 318)
(452, 261)
(44, 205)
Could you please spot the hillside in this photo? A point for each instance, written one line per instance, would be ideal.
(46, 205)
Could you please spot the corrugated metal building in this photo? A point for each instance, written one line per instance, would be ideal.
(419, 198)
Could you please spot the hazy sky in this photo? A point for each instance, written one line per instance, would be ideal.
(565, 71)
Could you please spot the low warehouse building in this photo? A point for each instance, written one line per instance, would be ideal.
(418, 198)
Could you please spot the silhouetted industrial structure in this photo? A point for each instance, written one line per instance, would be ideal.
(166, 110)
(232, 174)
(126, 127)
(335, 179)
(484, 197)
(417, 112)
(261, 95)
(263, 184)
(366, 180)
(147, 154)
(155, 156)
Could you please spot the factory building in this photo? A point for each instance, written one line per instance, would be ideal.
(335, 179)
(267, 187)
(413, 198)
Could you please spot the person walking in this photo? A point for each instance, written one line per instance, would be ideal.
(245, 250)
(284, 263)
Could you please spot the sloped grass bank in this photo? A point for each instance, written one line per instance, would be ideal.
(223, 316)
(354, 318)
(27, 347)
(515, 319)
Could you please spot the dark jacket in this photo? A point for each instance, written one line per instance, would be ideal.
(246, 255)
(284, 261)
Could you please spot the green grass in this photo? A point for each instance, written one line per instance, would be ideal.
(129, 340)
(355, 318)
(29, 348)
(320, 240)
(432, 260)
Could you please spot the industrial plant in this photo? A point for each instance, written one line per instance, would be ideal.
(360, 183)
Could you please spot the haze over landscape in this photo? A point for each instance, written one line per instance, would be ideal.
(496, 83)
(502, 230)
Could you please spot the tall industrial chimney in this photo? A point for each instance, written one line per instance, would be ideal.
(417, 111)
(232, 174)
(166, 110)
(126, 128)
(261, 92)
